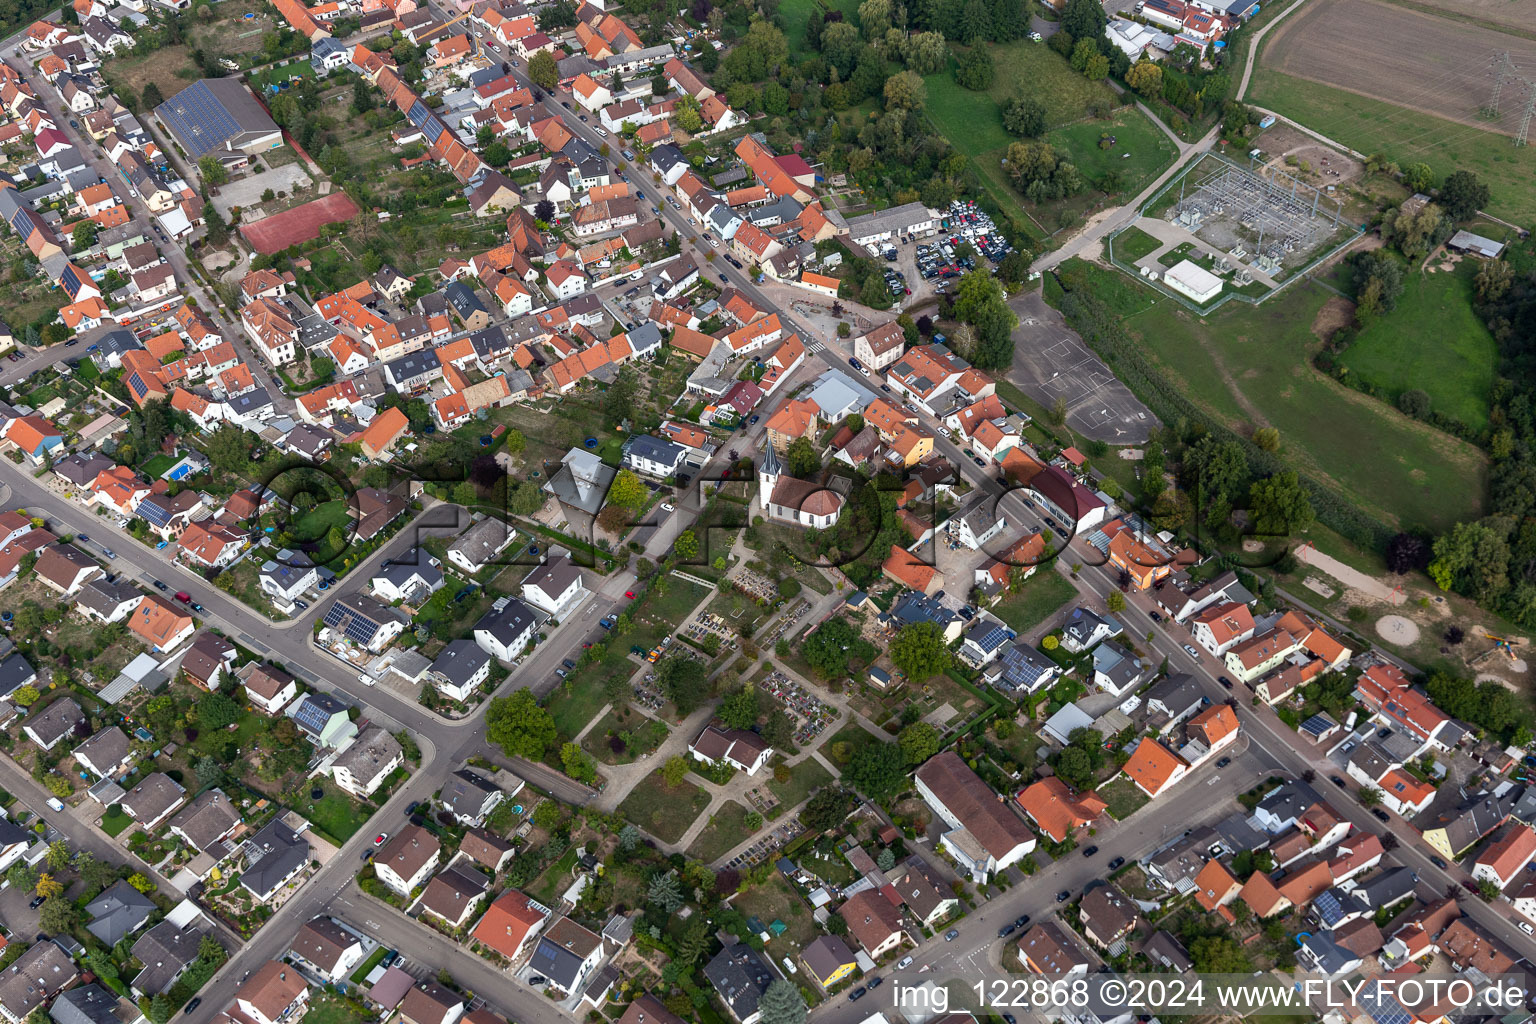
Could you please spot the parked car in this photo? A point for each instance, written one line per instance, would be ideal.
(1337, 781)
(1005, 931)
(952, 935)
(193, 1004)
(159, 585)
(37, 901)
(1021, 921)
(55, 803)
(1223, 762)
(379, 839)
(1381, 815)
(904, 963)
(1225, 682)
(302, 606)
(1089, 851)
(1063, 896)
(875, 981)
(1189, 649)
(183, 597)
(1437, 862)
(1117, 864)
(857, 994)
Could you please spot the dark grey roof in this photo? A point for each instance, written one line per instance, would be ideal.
(81, 470)
(459, 662)
(90, 1004)
(490, 341)
(1387, 888)
(369, 753)
(466, 792)
(507, 625)
(43, 969)
(410, 565)
(740, 975)
(105, 750)
(165, 951)
(249, 403)
(464, 300)
(273, 854)
(155, 794)
(207, 818)
(916, 607)
(118, 913)
(104, 596)
(413, 365)
(15, 672)
(1022, 667)
(644, 446)
(214, 111)
(56, 720)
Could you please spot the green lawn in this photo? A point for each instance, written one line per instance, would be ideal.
(805, 777)
(330, 1008)
(1249, 366)
(640, 734)
(373, 960)
(662, 811)
(336, 815)
(726, 830)
(1432, 341)
(317, 522)
(1123, 798)
(973, 121)
(1133, 244)
(115, 820)
(1139, 154)
(1043, 594)
(1373, 126)
(157, 465)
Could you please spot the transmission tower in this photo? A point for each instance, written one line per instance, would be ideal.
(1503, 71)
(1525, 115)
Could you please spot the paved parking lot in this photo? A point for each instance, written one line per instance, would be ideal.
(1051, 363)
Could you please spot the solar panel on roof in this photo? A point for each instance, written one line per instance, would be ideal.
(71, 281)
(199, 119)
(312, 715)
(1328, 908)
(993, 638)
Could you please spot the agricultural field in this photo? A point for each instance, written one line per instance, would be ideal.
(1432, 341)
(1517, 16)
(1382, 78)
(1249, 366)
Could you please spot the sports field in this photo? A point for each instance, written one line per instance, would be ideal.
(1432, 341)
(300, 224)
(1248, 366)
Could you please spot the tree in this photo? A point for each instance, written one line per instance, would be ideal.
(1369, 796)
(781, 1003)
(161, 1009)
(1415, 402)
(544, 210)
(1084, 19)
(753, 821)
(152, 97)
(1419, 177)
(779, 730)
(800, 458)
(216, 711)
(619, 399)
(1474, 560)
(519, 726)
(628, 491)
(57, 915)
(1378, 278)
(543, 71)
(141, 883)
(686, 546)
(578, 763)
(1025, 116)
(21, 876)
(919, 741)
(886, 859)
(919, 651)
(1280, 505)
(665, 893)
(1406, 552)
(926, 52)
(975, 23)
(58, 856)
(878, 770)
(825, 810)
(212, 171)
(975, 70)
(1115, 601)
(740, 709)
(48, 886)
(1146, 78)
(547, 815)
(1073, 767)
(1463, 195)
(980, 302)
(905, 90)
(1217, 470)
(96, 874)
(25, 696)
(84, 235)
(629, 838)
(684, 681)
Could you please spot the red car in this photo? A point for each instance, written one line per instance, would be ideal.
(183, 597)
(629, 594)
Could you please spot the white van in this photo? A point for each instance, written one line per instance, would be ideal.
(55, 803)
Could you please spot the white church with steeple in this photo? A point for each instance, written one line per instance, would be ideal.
(787, 499)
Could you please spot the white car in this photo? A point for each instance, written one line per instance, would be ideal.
(714, 242)
(600, 133)
(1192, 652)
(666, 506)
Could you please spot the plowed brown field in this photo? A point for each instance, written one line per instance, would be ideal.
(1404, 57)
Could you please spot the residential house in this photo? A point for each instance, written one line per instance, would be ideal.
(207, 820)
(273, 857)
(985, 836)
(566, 955)
(470, 797)
(1106, 914)
(407, 860)
(1057, 810)
(372, 758)
(155, 798)
(740, 975)
(742, 750)
(454, 895)
(509, 923)
(327, 947)
(105, 754)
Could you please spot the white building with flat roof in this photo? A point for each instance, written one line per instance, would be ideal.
(1192, 280)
